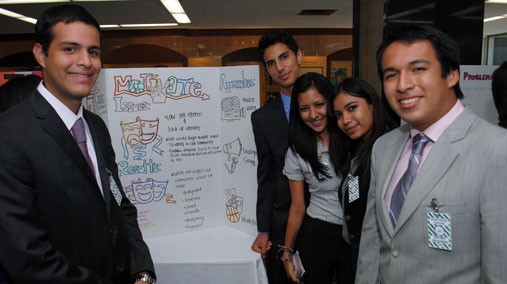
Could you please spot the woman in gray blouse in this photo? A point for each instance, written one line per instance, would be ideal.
(312, 129)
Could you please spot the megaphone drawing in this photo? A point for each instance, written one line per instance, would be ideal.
(233, 151)
(233, 148)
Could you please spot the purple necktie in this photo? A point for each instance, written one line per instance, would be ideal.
(78, 130)
(401, 190)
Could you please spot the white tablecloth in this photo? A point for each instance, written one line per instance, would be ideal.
(214, 255)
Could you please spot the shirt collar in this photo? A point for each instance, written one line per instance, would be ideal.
(286, 103)
(68, 116)
(436, 129)
(285, 98)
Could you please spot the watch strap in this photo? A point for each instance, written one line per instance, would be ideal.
(144, 277)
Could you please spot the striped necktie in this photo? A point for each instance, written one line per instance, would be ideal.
(78, 130)
(401, 190)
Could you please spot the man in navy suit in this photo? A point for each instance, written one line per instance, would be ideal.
(282, 59)
(63, 215)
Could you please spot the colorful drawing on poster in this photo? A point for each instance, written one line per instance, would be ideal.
(231, 109)
(138, 134)
(150, 84)
(143, 192)
(233, 206)
(233, 151)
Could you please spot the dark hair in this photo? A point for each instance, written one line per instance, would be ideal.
(276, 36)
(499, 90)
(360, 148)
(446, 49)
(302, 139)
(66, 13)
(17, 89)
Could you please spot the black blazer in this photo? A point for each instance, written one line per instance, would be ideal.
(353, 212)
(271, 131)
(55, 225)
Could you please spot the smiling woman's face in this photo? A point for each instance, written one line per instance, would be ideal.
(354, 115)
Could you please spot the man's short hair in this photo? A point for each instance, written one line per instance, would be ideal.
(66, 13)
(276, 36)
(446, 49)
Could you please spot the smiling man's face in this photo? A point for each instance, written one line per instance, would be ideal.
(413, 83)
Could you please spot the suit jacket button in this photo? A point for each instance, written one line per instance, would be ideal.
(395, 253)
(347, 217)
(352, 237)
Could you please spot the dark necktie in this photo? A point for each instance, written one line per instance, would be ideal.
(78, 130)
(401, 190)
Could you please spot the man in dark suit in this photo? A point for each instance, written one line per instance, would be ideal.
(282, 59)
(63, 215)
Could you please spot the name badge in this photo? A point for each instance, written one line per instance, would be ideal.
(114, 188)
(439, 231)
(353, 186)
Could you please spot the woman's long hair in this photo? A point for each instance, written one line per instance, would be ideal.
(302, 139)
(362, 147)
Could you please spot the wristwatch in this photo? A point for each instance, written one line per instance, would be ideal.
(145, 277)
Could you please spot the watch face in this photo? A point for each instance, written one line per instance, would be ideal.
(146, 278)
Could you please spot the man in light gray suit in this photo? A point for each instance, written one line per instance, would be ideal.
(447, 224)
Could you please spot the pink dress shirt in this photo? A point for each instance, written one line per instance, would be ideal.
(433, 132)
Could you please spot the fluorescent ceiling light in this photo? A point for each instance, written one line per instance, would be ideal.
(50, 1)
(148, 25)
(109, 26)
(28, 20)
(33, 21)
(17, 16)
(497, 1)
(174, 7)
(31, 1)
(495, 18)
(10, 14)
(181, 18)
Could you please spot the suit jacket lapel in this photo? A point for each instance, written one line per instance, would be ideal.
(54, 126)
(102, 165)
(439, 160)
(392, 153)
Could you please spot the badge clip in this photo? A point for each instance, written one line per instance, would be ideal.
(434, 204)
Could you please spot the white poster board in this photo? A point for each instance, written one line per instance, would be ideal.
(184, 144)
(475, 82)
